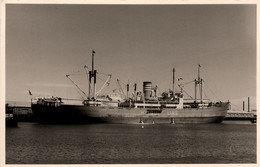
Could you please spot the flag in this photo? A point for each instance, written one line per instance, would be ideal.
(30, 93)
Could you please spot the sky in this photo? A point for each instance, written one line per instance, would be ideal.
(134, 43)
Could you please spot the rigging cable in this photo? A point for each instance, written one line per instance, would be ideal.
(121, 88)
(103, 73)
(101, 79)
(77, 86)
(205, 95)
(187, 82)
(182, 88)
(187, 94)
(237, 106)
(106, 84)
(80, 94)
(211, 91)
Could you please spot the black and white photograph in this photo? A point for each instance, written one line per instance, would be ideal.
(129, 83)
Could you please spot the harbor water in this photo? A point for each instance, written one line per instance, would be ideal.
(228, 143)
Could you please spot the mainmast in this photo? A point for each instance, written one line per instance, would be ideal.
(92, 73)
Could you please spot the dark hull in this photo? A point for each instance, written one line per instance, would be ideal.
(11, 123)
(87, 114)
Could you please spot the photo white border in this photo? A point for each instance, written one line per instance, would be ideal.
(103, 2)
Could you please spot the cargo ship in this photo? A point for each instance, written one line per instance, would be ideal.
(143, 107)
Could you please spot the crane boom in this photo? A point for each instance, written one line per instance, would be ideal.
(105, 85)
(76, 85)
(121, 88)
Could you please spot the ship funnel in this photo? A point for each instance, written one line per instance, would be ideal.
(147, 88)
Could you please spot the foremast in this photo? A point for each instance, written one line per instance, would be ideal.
(92, 74)
(198, 83)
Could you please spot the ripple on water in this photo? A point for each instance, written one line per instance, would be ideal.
(34, 143)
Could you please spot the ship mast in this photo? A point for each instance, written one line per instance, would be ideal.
(92, 73)
(135, 96)
(173, 82)
(198, 82)
(127, 90)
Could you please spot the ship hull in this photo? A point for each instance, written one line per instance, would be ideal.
(11, 123)
(91, 114)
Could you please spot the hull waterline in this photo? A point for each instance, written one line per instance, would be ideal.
(91, 114)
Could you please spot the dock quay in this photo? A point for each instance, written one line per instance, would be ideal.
(241, 115)
(21, 113)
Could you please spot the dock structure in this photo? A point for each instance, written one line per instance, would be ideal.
(241, 115)
(21, 113)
